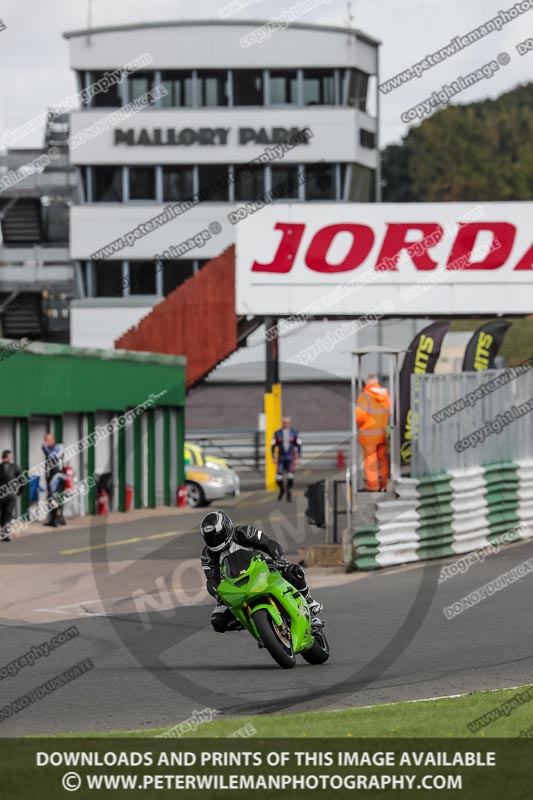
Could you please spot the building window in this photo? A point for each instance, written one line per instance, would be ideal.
(320, 184)
(175, 273)
(345, 172)
(178, 183)
(357, 89)
(213, 183)
(319, 87)
(105, 99)
(84, 173)
(142, 183)
(85, 267)
(283, 87)
(142, 277)
(107, 184)
(138, 84)
(249, 183)
(108, 279)
(363, 184)
(179, 88)
(285, 182)
(367, 138)
(213, 88)
(247, 87)
(55, 221)
(80, 84)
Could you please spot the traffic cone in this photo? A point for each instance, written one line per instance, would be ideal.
(340, 460)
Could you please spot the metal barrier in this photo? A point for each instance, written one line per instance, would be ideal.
(244, 448)
(471, 419)
(337, 507)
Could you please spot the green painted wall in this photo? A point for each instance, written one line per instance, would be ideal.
(54, 379)
(51, 380)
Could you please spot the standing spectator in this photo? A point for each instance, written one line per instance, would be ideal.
(289, 452)
(52, 458)
(56, 499)
(9, 471)
(55, 478)
(372, 416)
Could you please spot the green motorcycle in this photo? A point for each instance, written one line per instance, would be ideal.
(271, 609)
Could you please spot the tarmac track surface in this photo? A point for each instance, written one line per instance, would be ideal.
(134, 592)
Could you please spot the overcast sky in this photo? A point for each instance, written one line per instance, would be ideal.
(34, 58)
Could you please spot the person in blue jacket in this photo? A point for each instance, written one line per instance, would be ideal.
(288, 445)
(55, 479)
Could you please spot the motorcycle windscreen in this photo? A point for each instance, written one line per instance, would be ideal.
(238, 562)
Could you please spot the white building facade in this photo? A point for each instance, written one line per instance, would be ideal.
(216, 104)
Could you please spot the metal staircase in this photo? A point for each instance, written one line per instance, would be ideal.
(21, 315)
(21, 222)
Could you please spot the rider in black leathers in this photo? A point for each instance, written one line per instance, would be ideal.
(220, 537)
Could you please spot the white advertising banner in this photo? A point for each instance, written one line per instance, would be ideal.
(393, 259)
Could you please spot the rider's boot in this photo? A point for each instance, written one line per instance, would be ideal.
(315, 607)
(289, 489)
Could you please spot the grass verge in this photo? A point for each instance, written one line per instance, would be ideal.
(444, 718)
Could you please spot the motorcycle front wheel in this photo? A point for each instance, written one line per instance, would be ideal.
(318, 653)
(275, 638)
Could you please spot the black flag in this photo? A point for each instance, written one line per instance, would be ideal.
(484, 345)
(420, 359)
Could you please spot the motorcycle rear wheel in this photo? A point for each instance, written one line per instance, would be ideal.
(318, 653)
(273, 639)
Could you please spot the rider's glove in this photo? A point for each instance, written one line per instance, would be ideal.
(275, 551)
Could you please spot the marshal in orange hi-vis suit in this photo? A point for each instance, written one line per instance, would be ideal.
(372, 415)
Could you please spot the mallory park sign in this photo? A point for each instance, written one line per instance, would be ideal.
(185, 137)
